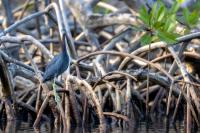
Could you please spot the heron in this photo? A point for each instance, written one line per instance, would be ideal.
(58, 65)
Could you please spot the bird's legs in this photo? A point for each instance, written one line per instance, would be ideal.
(57, 98)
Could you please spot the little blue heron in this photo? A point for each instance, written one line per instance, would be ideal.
(57, 66)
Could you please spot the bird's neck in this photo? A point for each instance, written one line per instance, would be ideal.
(64, 49)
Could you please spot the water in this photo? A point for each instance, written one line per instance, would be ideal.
(158, 126)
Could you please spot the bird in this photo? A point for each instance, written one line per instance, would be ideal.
(58, 65)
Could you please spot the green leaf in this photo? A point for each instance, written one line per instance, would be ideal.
(154, 11)
(193, 18)
(174, 7)
(171, 27)
(154, 39)
(167, 37)
(144, 16)
(161, 13)
(158, 25)
(190, 18)
(154, 8)
(145, 39)
(185, 15)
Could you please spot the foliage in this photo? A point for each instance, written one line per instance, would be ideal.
(160, 22)
(190, 18)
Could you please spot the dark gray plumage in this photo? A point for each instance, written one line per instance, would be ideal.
(58, 64)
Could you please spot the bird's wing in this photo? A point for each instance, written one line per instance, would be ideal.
(52, 61)
(51, 69)
(56, 67)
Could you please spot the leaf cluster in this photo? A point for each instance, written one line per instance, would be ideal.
(190, 18)
(160, 22)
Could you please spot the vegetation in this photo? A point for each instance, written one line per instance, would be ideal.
(129, 61)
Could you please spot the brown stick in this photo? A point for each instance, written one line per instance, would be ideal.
(119, 116)
(44, 104)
